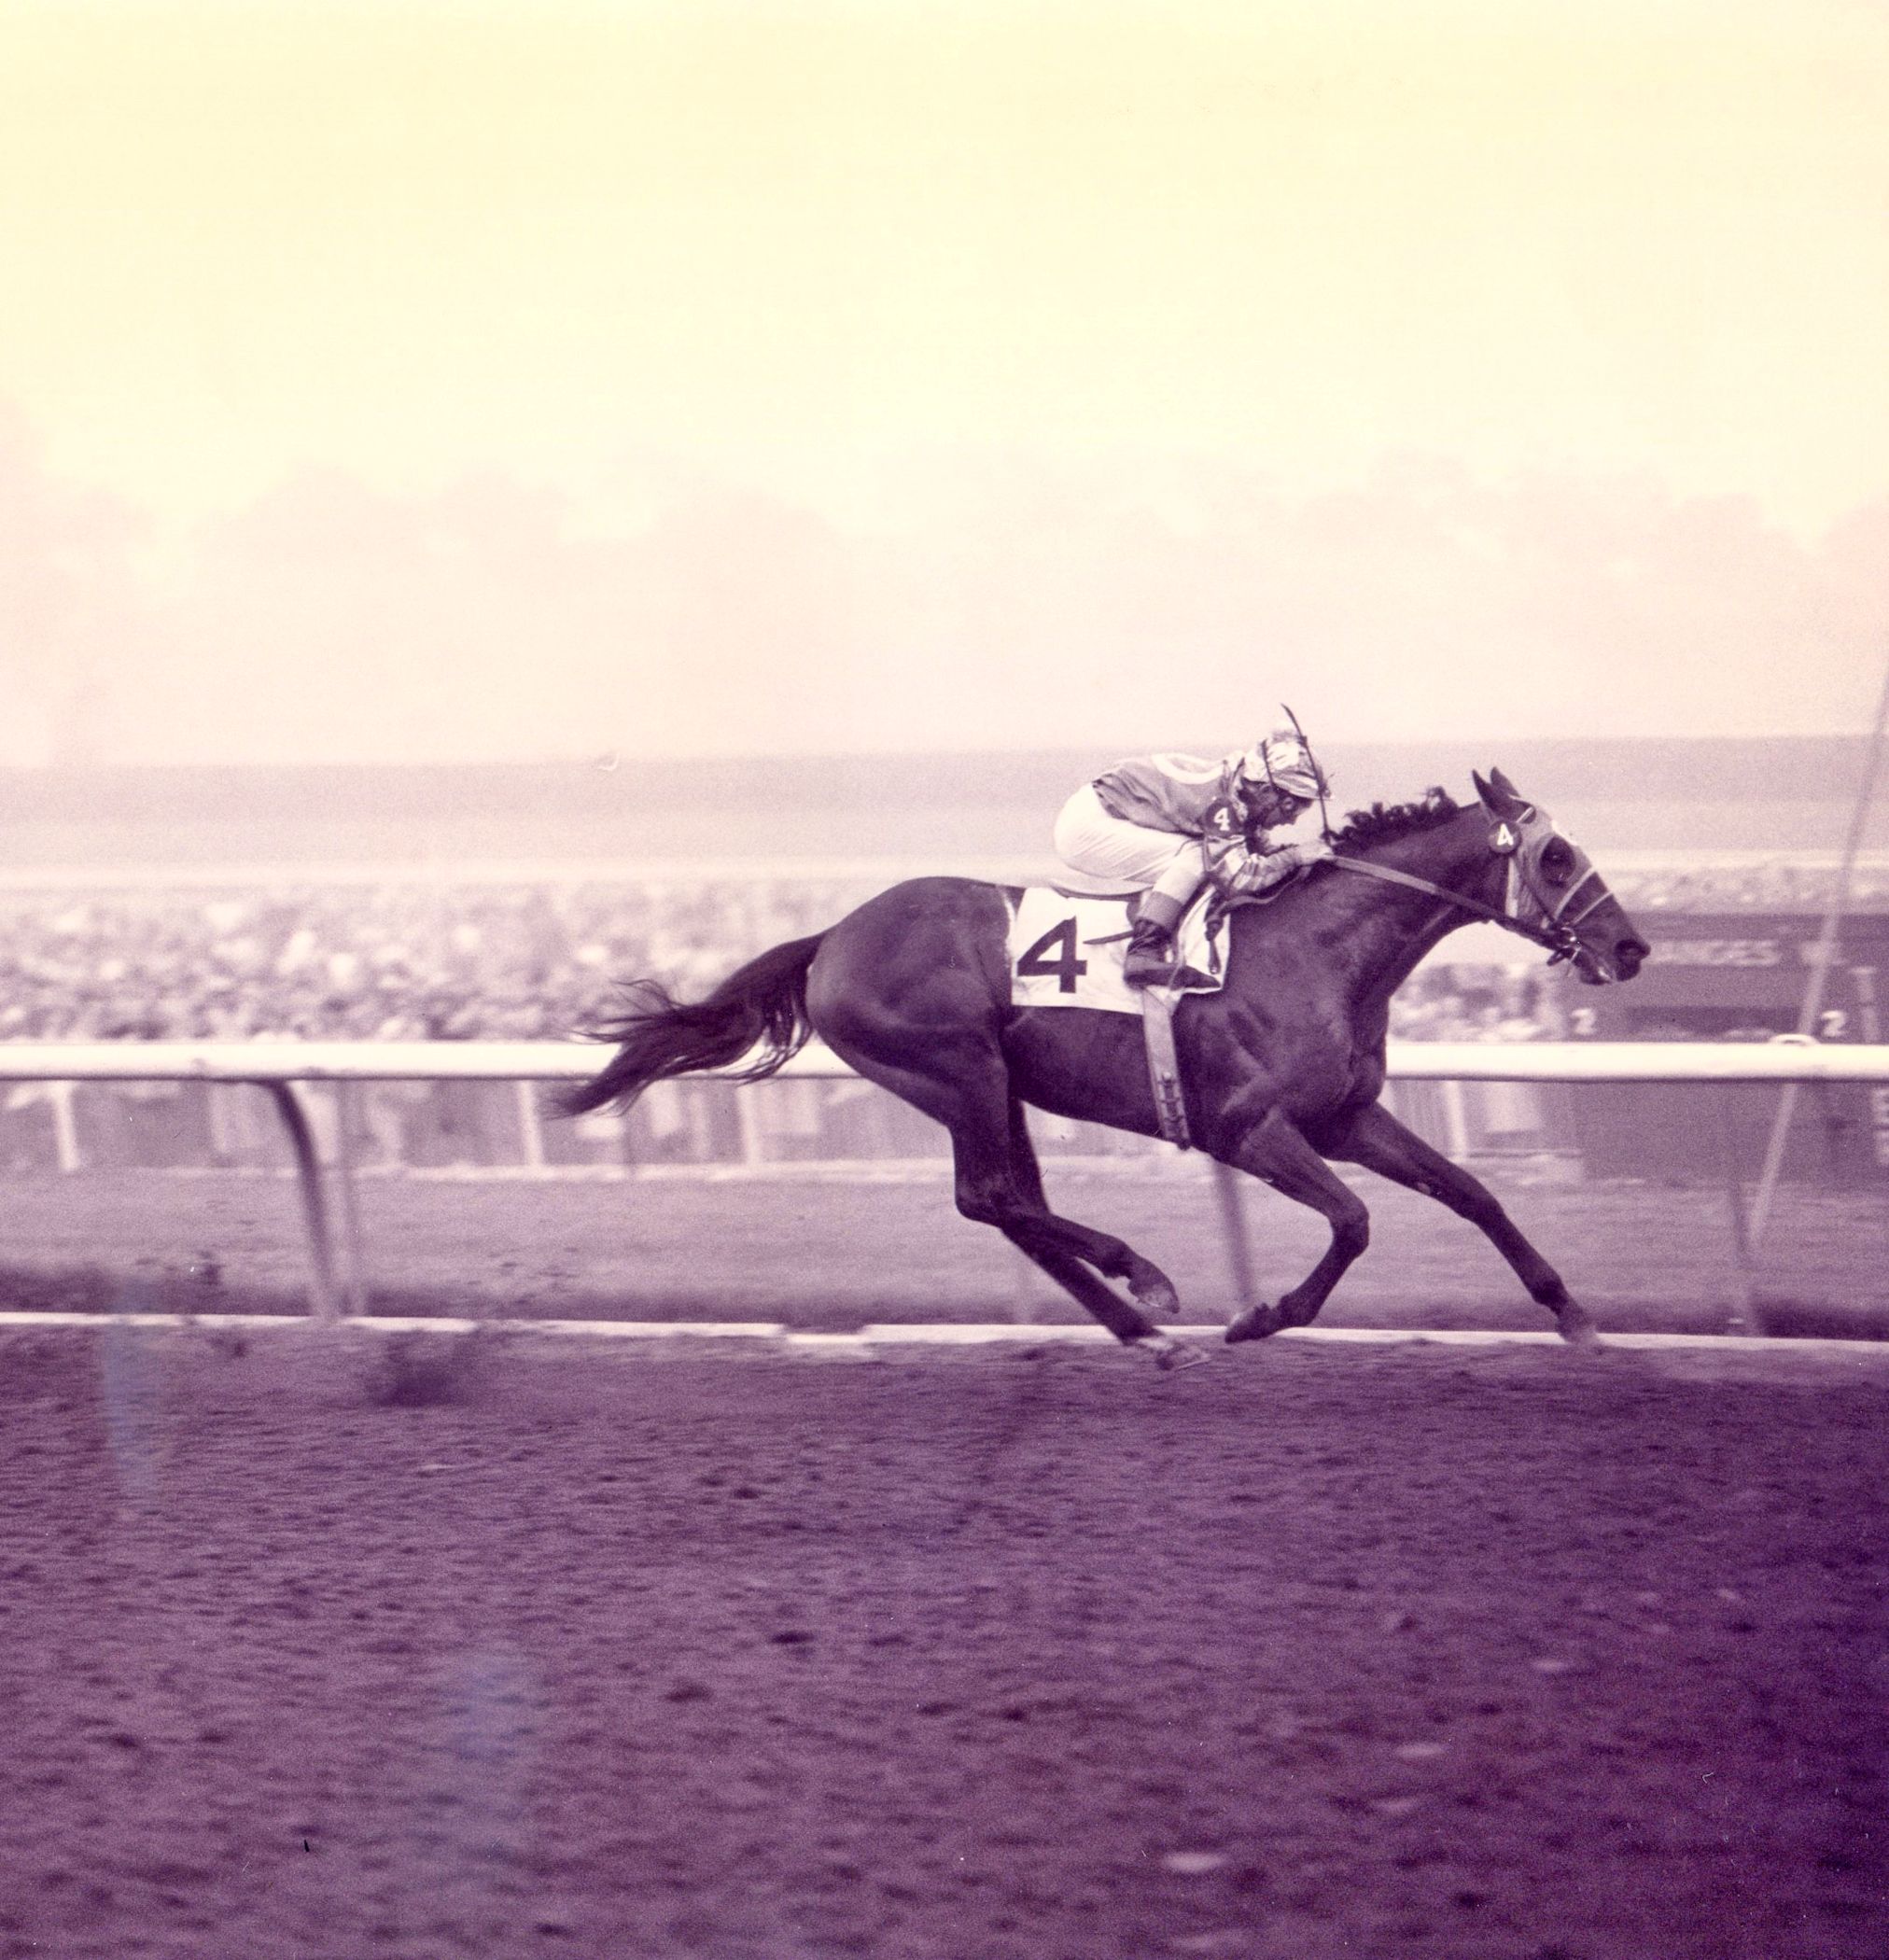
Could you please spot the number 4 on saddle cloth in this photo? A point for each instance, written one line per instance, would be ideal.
(1066, 950)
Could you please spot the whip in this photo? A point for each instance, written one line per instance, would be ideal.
(1318, 773)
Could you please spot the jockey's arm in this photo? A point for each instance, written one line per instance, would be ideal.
(1241, 871)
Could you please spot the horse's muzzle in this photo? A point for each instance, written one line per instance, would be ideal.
(1602, 966)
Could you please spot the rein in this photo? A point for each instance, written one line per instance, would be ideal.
(1557, 939)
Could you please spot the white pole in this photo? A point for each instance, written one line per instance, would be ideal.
(1871, 1017)
(1023, 1289)
(65, 1128)
(348, 1197)
(1743, 1317)
(530, 1126)
(748, 1123)
(1228, 1189)
(1823, 960)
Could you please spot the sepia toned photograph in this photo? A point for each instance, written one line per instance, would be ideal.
(943, 965)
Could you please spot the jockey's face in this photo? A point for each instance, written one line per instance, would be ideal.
(1271, 804)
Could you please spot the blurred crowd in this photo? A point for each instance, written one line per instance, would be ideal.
(360, 961)
(462, 962)
(1777, 887)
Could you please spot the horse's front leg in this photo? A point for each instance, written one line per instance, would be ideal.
(1275, 1152)
(1376, 1140)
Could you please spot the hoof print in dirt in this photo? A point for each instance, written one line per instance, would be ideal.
(416, 1370)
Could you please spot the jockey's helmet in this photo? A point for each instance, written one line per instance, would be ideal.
(1282, 760)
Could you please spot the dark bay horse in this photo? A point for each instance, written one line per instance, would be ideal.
(1283, 1068)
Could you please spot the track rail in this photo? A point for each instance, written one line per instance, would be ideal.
(283, 1069)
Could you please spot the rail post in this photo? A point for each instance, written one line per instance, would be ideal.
(347, 1196)
(313, 1200)
(1232, 1229)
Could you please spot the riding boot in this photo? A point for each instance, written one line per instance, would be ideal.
(1153, 959)
(1150, 958)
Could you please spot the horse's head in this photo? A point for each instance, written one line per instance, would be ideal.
(1554, 889)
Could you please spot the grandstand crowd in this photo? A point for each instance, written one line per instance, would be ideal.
(448, 962)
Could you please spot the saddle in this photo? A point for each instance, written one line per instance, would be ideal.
(1196, 939)
(1055, 930)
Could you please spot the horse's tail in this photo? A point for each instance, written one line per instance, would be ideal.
(761, 1005)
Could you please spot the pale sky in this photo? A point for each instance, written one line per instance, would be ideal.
(613, 362)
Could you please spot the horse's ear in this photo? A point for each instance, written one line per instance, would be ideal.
(1499, 796)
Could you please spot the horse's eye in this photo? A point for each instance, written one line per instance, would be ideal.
(1557, 861)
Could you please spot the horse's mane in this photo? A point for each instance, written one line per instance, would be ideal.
(1384, 823)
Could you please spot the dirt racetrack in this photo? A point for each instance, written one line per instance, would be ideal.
(1323, 1651)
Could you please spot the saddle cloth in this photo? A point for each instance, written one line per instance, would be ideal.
(1066, 949)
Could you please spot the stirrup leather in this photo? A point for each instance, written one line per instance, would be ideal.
(1164, 1066)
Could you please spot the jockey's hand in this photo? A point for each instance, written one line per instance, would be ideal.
(1243, 873)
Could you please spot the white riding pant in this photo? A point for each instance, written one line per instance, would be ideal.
(1089, 839)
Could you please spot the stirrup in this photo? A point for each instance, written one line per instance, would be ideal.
(1156, 968)
(1172, 972)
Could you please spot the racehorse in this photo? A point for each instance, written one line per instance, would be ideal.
(1281, 1068)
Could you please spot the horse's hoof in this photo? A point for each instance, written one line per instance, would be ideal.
(1255, 1323)
(1154, 1294)
(1582, 1337)
(1170, 1355)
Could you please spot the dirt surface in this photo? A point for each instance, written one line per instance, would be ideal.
(822, 1252)
(328, 1649)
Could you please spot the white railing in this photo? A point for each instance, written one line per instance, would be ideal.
(280, 1066)
(1787, 1059)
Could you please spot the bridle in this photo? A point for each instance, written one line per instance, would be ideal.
(1522, 838)
(1541, 917)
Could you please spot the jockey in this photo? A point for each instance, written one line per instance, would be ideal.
(1168, 822)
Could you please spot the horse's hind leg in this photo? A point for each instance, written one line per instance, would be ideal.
(1150, 1285)
(1070, 1272)
(997, 1188)
(1064, 1249)
(1168, 1353)
(969, 1092)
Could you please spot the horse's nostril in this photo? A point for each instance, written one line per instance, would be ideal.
(1631, 953)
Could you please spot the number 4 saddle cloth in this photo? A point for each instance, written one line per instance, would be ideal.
(1066, 949)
